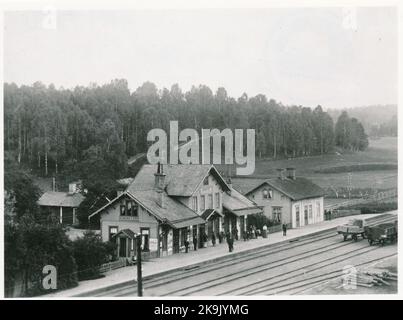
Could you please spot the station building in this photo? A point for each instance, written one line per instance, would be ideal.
(170, 204)
(285, 199)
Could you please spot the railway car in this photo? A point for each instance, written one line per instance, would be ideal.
(354, 228)
(382, 233)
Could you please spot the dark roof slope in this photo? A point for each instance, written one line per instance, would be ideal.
(174, 212)
(181, 179)
(236, 202)
(60, 199)
(297, 189)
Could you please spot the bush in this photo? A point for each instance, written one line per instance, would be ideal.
(90, 253)
(379, 207)
(259, 220)
(29, 247)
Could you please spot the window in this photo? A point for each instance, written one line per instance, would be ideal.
(318, 213)
(132, 209)
(184, 235)
(205, 181)
(310, 211)
(122, 210)
(217, 200)
(129, 208)
(135, 210)
(267, 194)
(306, 214)
(277, 214)
(195, 204)
(210, 201)
(145, 239)
(112, 231)
(203, 203)
(297, 215)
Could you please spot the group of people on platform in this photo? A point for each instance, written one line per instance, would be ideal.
(230, 237)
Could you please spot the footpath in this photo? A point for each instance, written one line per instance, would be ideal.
(166, 264)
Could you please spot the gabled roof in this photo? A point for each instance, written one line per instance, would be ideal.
(206, 214)
(181, 180)
(238, 204)
(127, 232)
(173, 213)
(60, 199)
(297, 189)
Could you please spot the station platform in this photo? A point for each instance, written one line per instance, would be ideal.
(201, 256)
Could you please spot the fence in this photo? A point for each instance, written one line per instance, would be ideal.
(378, 196)
(344, 213)
(112, 265)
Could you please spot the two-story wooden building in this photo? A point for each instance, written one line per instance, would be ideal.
(171, 204)
(288, 199)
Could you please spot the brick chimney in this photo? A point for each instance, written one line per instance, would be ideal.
(159, 177)
(281, 173)
(160, 185)
(291, 173)
(161, 198)
(72, 188)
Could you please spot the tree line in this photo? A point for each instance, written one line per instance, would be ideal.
(350, 133)
(51, 130)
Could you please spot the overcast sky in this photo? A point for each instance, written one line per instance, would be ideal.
(326, 56)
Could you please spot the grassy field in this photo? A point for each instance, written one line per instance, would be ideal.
(381, 151)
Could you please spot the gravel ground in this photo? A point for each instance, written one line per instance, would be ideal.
(333, 287)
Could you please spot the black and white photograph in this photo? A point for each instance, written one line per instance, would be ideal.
(197, 152)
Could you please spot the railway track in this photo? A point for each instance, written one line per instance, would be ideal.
(294, 278)
(260, 268)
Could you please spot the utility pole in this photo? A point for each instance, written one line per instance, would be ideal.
(139, 276)
(349, 184)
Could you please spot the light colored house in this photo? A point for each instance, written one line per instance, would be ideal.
(171, 204)
(288, 199)
(62, 204)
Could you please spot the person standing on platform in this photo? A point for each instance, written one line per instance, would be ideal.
(230, 241)
(284, 229)
(194, 243)
(213, 239)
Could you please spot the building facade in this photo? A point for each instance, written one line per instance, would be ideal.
(62, 205)
(287, 199)
(171, 205)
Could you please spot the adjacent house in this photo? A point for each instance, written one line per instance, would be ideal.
(288, 199)
(62, 204)
(171, 204)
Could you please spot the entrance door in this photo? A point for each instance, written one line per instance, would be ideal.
(202, 230)
(216, 226)
(122, 247)
(233, 226)
(297, 217)
(176, 241)
(210, 229)
(306, 215)
(242, 225)
(165, 241)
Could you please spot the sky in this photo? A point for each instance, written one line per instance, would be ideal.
(334, 57)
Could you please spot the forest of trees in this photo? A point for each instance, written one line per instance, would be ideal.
(96, 128)
(350, 133)
(385, 129)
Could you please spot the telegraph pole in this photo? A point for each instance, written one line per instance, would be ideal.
(139, 275)
(349, 185)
